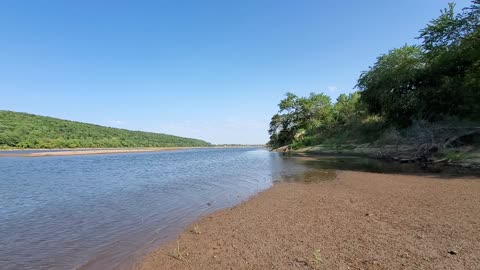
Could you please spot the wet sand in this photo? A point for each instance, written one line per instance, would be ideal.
(90, 152)
(356, 221)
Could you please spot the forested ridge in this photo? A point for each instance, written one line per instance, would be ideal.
(414, 93)
(22, 130)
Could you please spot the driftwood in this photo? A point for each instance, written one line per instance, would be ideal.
(428, 147)
(441, 160)
(284, 149)
(459, 138)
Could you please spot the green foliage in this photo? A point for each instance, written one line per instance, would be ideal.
(21, 130)
(304, 121)
(453, 155)
(443, 31)
(390, 86)
(434, 81)
(347, 109)
(298, 114)
(440, 78)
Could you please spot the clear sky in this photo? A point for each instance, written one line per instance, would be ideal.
(213, 70)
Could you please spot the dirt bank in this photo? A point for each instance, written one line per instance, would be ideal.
(357, 221)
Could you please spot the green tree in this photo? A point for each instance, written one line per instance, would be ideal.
(390, 87)
(451, 45)
(348, 108)
(297, 115)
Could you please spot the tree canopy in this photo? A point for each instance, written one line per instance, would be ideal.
(299, 118)
(434, 80)
(21, 130)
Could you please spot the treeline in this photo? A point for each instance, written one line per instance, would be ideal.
(438, 80)
(21, 130)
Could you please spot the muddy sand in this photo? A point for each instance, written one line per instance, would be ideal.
(357, 221)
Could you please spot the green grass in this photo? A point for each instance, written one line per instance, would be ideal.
(22, 130)
(455, 156)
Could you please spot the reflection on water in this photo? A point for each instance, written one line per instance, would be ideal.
(310, 175)
(318, 168)
(99, 212)
(351, 163)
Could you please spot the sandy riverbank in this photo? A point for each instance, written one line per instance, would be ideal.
(357, 221)
(101, 151)
(77, 152)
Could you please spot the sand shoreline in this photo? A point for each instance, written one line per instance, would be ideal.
(102, 151)
(76, 152)
(357, 221)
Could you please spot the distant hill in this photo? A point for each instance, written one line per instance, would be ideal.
(23, 130)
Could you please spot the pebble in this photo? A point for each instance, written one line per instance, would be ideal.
(452, 252)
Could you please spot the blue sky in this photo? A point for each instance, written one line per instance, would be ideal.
(213, 70)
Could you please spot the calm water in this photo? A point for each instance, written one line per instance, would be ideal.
(100, 211)
(104, 211)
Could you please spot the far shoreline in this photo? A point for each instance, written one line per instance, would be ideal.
(42, 152)
(84, 151)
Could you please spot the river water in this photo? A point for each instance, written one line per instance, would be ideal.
(106, 211)
(101, 211)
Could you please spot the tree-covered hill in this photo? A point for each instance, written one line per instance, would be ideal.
(22, 130)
